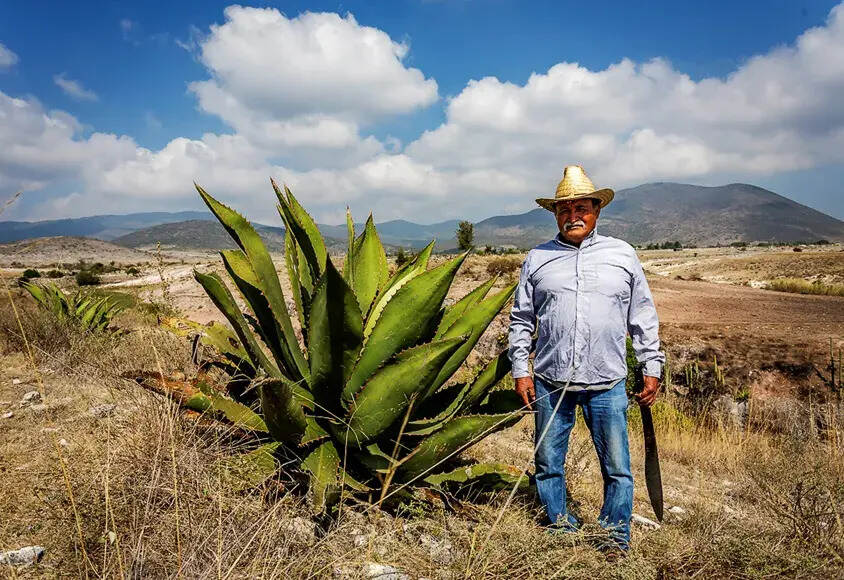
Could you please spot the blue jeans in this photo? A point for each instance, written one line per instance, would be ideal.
(605, 413)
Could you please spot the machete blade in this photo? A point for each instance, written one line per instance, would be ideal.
(653, 477)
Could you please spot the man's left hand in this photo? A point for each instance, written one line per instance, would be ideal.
(648, 395)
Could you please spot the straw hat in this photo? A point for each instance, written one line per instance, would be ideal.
(575, 185)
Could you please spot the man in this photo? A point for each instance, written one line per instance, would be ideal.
(582, 293)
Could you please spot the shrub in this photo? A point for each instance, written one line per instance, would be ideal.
(87, 278)
(133, 271)
(31, 273)
(56, 274)
(402, 258)
(503, 265)
(465, 235)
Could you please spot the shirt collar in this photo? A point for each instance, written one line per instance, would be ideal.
(587, 241)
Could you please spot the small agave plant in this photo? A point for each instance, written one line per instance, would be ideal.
(362, 403)
(88, 311)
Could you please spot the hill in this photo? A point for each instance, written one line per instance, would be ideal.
(103, 227)
(196, 235)
(692, 214)
(68, 250)
(653, 212)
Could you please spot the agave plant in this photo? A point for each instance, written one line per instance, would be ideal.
(88, 311)
(364, 400)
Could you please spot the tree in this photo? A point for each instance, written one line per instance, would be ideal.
(465, 235)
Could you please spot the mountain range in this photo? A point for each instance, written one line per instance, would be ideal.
(649, 213)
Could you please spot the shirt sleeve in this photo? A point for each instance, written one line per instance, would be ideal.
(643, 324)
(522, 323)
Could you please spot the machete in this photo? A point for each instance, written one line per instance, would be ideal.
(653, 477)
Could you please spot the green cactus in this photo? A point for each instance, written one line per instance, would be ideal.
(362, 402)
(86, 310)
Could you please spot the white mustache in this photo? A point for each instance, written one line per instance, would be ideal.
(578, 224)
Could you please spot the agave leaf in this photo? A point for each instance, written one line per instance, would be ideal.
(387, 394)
(373, 458)
(459, 308)
(404, 275)
(323, 465)
(347, 480)
(250, 242)
(473, 322)
(350, 231)
(493, 372)
(504, 401)
(457, 434)
(251, 469)
(223, 300)
(335, 336)
(240, 270)
(207, 401)
(282, 409)
(368, 265)
(36, 291)
(304, 231)
(313, 431)
(486, 475)
(403, 321)
(448, 405)
(224, 340)
(291, 260)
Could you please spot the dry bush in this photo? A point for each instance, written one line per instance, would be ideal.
(503, 265)
(801, 286)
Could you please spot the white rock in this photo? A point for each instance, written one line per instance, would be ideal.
(8, 415)
(102, 411)
(645, 522)
(439, 549)
(676, 510)
(300, 530)
(361, 540)
(373, 571)
(23, 557)
(31, 398)
(16, 381)
(63, 442)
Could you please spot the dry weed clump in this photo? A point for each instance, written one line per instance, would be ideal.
(502, 265)
(801, 286)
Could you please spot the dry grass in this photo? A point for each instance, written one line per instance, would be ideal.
(152, 501)
(801, 286)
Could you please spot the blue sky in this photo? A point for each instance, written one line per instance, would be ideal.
(419, 109)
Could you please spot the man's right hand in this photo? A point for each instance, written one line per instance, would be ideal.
(524, 387)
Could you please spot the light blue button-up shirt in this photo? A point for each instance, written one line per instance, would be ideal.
(581, 303)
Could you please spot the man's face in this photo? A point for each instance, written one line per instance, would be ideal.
(576, 219)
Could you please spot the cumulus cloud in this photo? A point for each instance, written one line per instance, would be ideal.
(300, 94)
(74, 89)
(8, 59)
(632, 122)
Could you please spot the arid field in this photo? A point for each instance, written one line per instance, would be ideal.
(115, 481)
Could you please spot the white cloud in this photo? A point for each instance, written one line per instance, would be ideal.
(8, 59)
(266, 66)
(633, 122)
(74, 89)
(300, 93)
